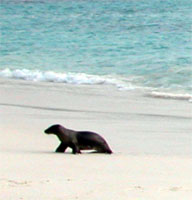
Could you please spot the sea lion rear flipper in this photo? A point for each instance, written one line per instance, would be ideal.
(75, 149)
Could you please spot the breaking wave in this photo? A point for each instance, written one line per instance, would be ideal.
(69, 78)
(87, 79)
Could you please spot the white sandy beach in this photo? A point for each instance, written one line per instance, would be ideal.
(151, 139)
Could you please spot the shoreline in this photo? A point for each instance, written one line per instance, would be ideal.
(82, 79)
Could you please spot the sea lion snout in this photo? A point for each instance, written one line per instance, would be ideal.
(53, 129)
(46, 131)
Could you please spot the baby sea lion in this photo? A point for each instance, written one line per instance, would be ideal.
(78, 140)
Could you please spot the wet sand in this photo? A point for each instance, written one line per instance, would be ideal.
(151, 139)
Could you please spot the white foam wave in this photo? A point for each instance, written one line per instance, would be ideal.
(70, 78)
(81, 78)
(171, 96)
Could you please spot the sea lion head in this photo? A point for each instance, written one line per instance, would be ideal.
(54, 129)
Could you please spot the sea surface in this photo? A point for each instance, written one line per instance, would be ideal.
(130, 44)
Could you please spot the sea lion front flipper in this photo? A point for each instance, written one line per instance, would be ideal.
(61, 148)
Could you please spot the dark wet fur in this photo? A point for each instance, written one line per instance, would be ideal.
(78, 140)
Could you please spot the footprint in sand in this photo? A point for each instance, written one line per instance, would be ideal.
(14, 183)
(175, 189)
(138, 188)
(45, 181)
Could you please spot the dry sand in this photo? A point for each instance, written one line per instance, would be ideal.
(151, 138)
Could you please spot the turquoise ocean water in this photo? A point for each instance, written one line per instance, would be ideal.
(130, 44)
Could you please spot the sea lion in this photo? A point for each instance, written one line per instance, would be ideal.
(78, 140)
